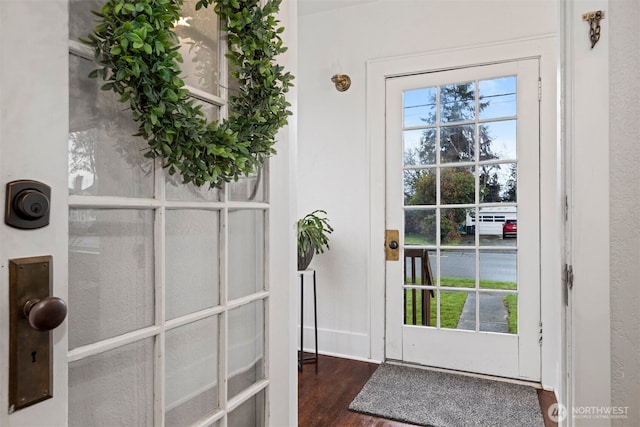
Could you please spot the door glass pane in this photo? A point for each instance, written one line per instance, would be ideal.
(191, 372)
(114, 388)
(419, 107)
(498, 269)
(457, 186)
(419, 147)
(498, 226)
(498, 140)
(198, 33)
(419, 267)
(419, 304)
(458, 268)
(499, 312)
(420, 227)
(498, 183)
(111, 277)
(104, 159)
(457, 102)
(246, 347)
(250, 413)
(246, 252)
(497, 97)
(457, 310)
(457, 144)
(453, 228)
(420, 187)
(192, 261)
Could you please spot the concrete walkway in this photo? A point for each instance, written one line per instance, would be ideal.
(493, 313)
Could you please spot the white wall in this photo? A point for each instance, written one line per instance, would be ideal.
(624, 131)
(333, 155)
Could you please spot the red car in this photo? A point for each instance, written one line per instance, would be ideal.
(510, 228)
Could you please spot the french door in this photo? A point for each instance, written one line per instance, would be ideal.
(166, 284)
(167, 289)
(462, 187)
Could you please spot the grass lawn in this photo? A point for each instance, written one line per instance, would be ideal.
(511, 301)
(451, 303)
(417, 239)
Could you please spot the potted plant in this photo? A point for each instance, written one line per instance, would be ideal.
(313, 236)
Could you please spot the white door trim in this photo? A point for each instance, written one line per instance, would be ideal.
(550, 181)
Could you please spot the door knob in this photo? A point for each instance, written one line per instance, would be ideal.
(45, 314)
(393, 244)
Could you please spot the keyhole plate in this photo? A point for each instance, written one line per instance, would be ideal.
(30, 351)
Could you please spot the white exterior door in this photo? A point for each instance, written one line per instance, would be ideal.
(462, 187)
(167, 285)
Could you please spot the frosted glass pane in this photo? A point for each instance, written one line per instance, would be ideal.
(175, 189)
(246, 252)
(111, 280)
(248, 188)
(250, 413)
(198, 34)
(192, 261)
(246, 347)
(113, 388)
(81, 20)
(191, 370)
(104, 159)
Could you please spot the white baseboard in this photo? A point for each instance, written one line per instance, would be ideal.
(348, 345)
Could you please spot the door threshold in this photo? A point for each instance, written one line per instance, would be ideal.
(534, 384)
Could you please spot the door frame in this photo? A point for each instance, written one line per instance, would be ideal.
(551, 206)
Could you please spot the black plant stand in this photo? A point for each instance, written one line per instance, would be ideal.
(301, 358)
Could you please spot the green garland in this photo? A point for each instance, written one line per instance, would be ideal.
(137, 49)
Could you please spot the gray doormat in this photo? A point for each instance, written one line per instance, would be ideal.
(440, 399)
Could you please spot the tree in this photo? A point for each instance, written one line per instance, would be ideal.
(457, 145)
(457, 185)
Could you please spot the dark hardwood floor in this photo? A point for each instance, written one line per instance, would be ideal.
(326, 389)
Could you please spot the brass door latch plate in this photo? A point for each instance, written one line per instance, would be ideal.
(391, 245)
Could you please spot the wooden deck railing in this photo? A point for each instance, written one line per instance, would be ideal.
(417, 302)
